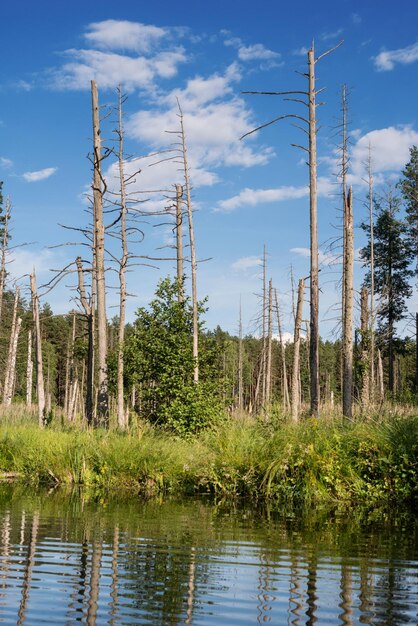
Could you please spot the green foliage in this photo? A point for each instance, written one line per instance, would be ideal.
(392, 257)
(308, 463)
(409, 189)
(159, 360)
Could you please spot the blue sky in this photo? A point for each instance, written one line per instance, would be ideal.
(246, 193)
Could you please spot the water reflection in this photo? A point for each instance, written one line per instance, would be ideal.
(69, 559)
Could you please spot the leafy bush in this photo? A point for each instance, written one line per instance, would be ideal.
(159, 360)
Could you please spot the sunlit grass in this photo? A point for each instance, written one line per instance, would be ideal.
(314, 461)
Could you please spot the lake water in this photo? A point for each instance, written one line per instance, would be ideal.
(70, 558)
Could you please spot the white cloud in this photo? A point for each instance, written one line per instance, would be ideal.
(6, 163)
(253, 197)
(356, 18)
(246, 263)
(256, 52)
(111, 69)
(23, 85)
(33, 177)
(124, 35)
(389, 150)
(23, 260)
(213, 125)
(303, 51)
(325, 258)
(327, 36)
(386, 60)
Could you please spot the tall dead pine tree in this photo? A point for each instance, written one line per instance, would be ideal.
(285, 387)
(372, 311)
(193, 261)
(4, 252)
(365, 350)
(29, 371)
(240, 361)
(313, 211)
(11, 358)
(179, 242)
(308, 98)
(348, 306)
(269, 342)
(40, 388)
(122, 415)
(296, 352)
(99, 269)
(88, 307)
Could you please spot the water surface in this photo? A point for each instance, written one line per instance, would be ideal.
(73, 558)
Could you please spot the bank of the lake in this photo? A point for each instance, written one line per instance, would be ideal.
(311, 462)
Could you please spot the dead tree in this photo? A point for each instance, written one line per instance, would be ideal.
(4, 252)
(11, 358)
(365, 350)
(29, 371)
(40, 389)
(308, 98)
(285, 387)
(240, 361)
(348, 306)
(296, 352)
(372, 294)
(264, 335)
(193, 262)
(99, 265)
(179, 242)
(269, 343)
(88, 308)
(380, 379)
(122, 415)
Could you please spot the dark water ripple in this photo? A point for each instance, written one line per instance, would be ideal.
(68, 560)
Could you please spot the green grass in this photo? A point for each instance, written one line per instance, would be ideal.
(311, 462)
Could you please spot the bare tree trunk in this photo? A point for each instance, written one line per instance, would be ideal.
(69, 376)
(285, 388)
(192, 252)
(179, 242)
(344, 170)
(269, 343)
(348, 304)
(314, 288)
(381, 387)
(296, 352)
(372, 312)
(264, 348)
(48, 395)
(88, 311)
(240, 359)
(40, 389)
(4, 252)
(29, 371)
(122, 421)
(98, 193)
(9, 374)
(365, 351)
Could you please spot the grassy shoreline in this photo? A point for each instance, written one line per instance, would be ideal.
(310, 462)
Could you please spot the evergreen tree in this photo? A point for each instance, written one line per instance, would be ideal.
(409, 189)
(392, 257)
(159, 360)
